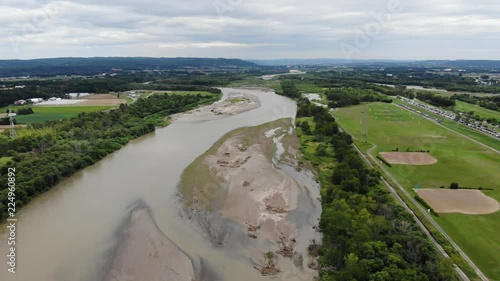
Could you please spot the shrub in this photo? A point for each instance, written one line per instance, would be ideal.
(384, 161)
(422, 201)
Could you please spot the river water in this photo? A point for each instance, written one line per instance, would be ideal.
(69, 232)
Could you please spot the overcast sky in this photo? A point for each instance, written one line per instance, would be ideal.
(251, 29)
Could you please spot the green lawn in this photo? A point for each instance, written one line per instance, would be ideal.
(478, 110)
(459, 160)
(51, 113)
(468, 131)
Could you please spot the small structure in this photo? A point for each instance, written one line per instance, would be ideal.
(11, 116)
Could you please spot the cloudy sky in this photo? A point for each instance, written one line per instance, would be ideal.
(251, 29)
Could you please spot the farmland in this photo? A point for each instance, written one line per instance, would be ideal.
(459, 160)
(51, 113)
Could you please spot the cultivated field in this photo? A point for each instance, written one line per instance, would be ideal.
(51, 113)
(459, 160)
(102, 100)
(408, 158)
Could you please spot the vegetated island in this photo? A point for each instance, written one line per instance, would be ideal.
(238, 194)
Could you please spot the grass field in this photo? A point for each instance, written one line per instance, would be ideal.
(51, 113)
(459, 160)
(470, 132)
(478, 110)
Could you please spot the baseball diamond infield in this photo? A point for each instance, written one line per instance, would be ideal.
(470, 202)
(408, 158)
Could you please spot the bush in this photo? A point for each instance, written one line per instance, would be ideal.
(454, 185)
(422, 201)
(384, 161)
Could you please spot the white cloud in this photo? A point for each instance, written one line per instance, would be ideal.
(249, 29)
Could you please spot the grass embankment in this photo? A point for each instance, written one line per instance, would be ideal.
(460, 128)
(52, 113)
(459, 160)
(478, 110)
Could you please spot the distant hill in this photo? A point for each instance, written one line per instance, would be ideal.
(281, 62)
(88, 66)
(465, 64)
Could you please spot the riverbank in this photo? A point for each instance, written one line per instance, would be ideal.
(239, 188)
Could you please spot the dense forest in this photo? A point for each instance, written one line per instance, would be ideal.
(368, 78)
(341, 97)
(435, 100)
(366, 234)
(47, 152)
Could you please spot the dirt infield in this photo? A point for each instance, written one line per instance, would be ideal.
(102, 99)
(471, 202)
(408, 158)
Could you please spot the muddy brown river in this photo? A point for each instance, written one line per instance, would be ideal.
(69, 233)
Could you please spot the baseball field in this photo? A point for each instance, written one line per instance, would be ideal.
(397, 134)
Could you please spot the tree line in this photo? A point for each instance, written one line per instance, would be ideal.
(435, 100)
(347, 96)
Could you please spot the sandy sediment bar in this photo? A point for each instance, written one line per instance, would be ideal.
(145, 253)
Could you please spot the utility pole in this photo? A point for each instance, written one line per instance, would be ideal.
(11, 116)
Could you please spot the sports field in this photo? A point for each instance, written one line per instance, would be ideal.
(459, 160)
(51, 113)
(470, 132)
